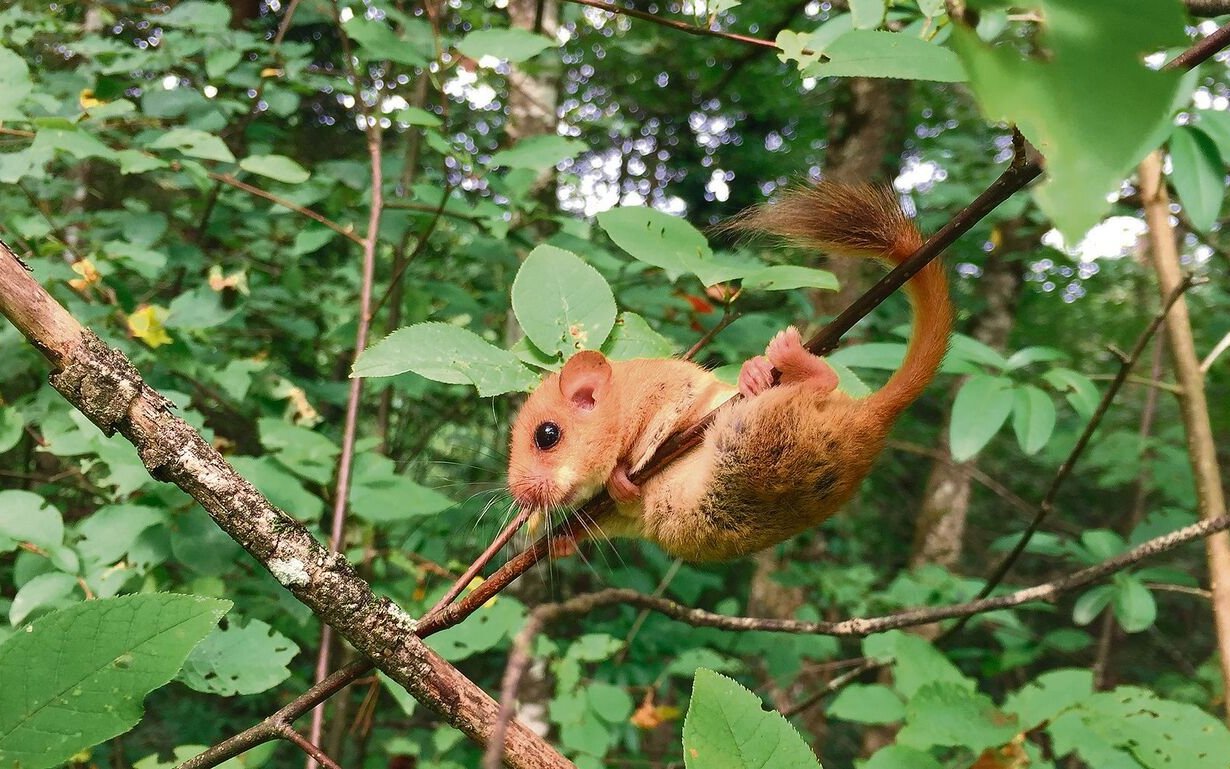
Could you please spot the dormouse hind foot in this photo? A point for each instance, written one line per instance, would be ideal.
(620, 486)
(788, 355)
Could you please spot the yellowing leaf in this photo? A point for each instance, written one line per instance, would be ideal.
(89, 275)
(87, 100)
(148, 325)
(271, 72)
(236, 280)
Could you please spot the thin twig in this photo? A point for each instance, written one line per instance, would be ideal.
(838, 682)
(289, 734)
(1215, 353)
(346, 232)
(681, 26)
(481, 562)
(341, 496)
(1047, 505)
(728, 316)
(1048, 592)
(419, 247)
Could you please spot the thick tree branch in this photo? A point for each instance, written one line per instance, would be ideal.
(100, 382)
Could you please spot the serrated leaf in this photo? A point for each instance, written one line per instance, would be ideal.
(246, 659)
(947, 714)
(78, 676)
(886, 356)
(915, 661)
(1033, 418)
(562, 303)
(1158, 733)
(1198, 173)
(632, 337)
(787, 277)
(979, 410)
(867, 704)
(277, 167)
(728, 728)
(1048, 695)
(1089, 103)
(872, 53)
(537, 153)
(446, 353)
(514, 45)
(194, 143)
(900, 757)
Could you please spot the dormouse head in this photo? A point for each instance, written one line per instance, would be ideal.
(565, 440)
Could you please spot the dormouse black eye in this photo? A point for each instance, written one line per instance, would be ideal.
(546, 435)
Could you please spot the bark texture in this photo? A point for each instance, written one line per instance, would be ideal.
(100, 382)
(1201, 447)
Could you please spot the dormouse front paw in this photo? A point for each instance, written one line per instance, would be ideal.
(620, 486)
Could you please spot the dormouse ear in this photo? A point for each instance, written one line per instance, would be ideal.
(585, 378)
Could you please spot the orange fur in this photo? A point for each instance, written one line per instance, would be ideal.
(771, 465)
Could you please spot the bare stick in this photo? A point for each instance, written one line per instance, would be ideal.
(681, 26)
(345, 232)
(1047, 505)
(481, 562)
(1047, 592)
(313, 752)
(341, 492)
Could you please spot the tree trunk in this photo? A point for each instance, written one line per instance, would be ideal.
(1201, 448)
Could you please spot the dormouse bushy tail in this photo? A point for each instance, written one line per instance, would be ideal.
(866, 220)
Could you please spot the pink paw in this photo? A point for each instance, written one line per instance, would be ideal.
(786, 347)
(620, 486)
(755, 377)
(788, 355)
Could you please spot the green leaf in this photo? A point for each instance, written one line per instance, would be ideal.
(900, 757)
(378, 41)
(886, 356)
(870, 53)
(380, 495)
(194, 143)
(1102, 544)
(727, 727)
(867, 704)
(449, 354)
(237, 659)
(27, 517)
(108, 534)
(88, 667)
(11, 426)
(1091, 603)
(786, 277)
(915, 661)
(632, 338)
(948, 714)
(979, 410)
(562, 303)
(1033, 418)
(868, 14)
(1048, 695)
(537, 153)
(304, 452)
(46, 591)
(515, 45)
(970, 349)
(1079, 389)
(419, 116)
(1134, 605)
(15, 83)
(611, 703)
(196, 15)
(656, 238)
(482, 631)
(277, 167)
(1158, 733)
(1198, 174)
(1087, 102)
(1027, 355)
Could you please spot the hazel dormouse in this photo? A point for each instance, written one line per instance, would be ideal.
(775, 462)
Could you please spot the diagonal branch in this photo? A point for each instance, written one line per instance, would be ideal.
(100, 382)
